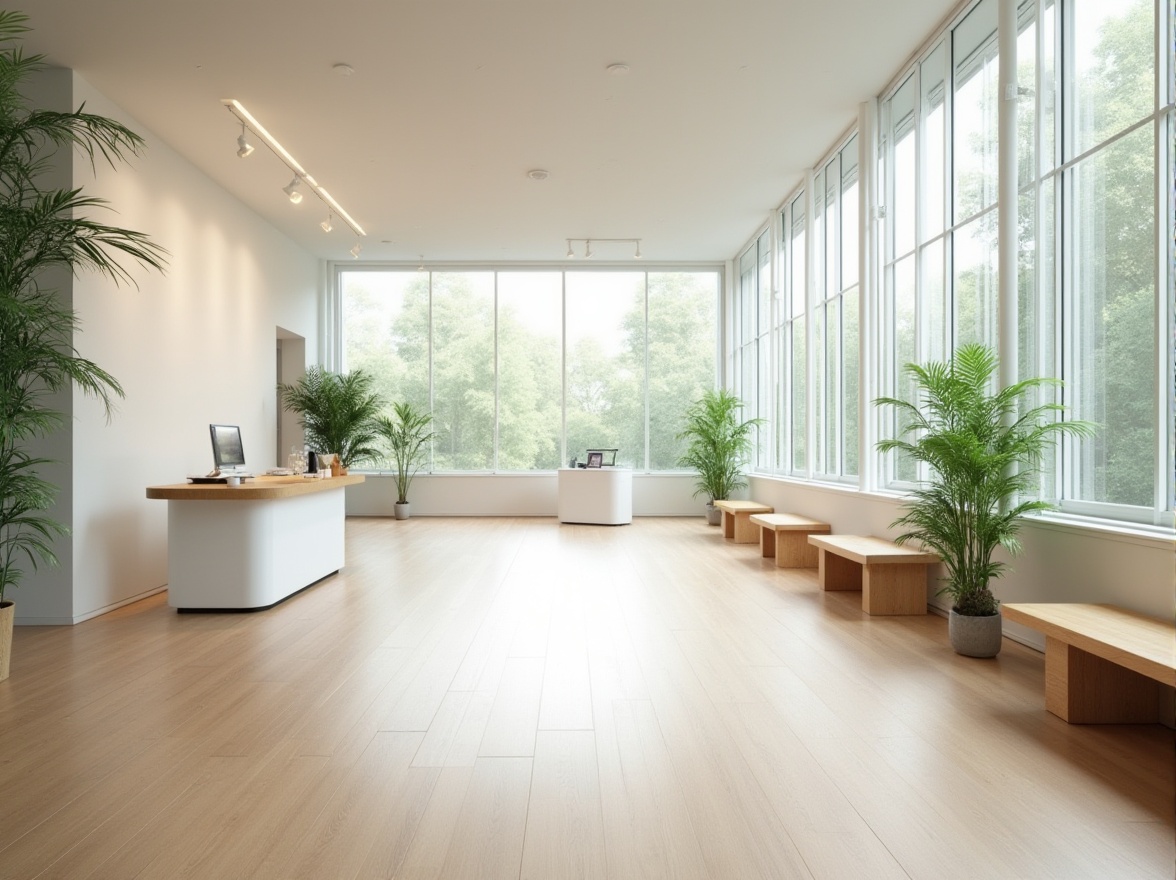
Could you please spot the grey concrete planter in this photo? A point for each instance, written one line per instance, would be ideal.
(402, 511)
(974, 636)
(714, 516)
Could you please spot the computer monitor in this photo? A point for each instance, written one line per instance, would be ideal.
(227, 451)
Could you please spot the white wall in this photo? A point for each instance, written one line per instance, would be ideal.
(192, 346)
(1060, 562)
(512, 495)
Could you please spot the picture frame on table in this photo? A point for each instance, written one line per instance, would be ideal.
(595, 459)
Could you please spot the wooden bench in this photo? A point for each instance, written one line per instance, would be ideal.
(737, 526)
(785, 537)
(893, 579)
(1103, 664)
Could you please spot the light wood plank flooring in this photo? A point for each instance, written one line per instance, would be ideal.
(512, 698)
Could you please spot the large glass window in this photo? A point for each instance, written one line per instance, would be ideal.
(463, 370)
(530, 353)
(754, 379)
(521, 367)
(899, 143)
(763, 405)
(681, 345)
(1110, 293)
(606, 363)
(1094, 286)
(386, 331)
(975, 66)
(795, 357)
(836, 343)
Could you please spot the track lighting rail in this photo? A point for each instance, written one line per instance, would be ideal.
(301, 175)
(588, 242)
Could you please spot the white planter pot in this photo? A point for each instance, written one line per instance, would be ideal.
(402, 511)
(974, 636)
(714, 516)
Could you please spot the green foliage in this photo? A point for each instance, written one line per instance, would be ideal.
(983, 449)
(41, 230)
(338, 412)
(1126, 456)
(406, 434)
(386, 327)
(718, 444)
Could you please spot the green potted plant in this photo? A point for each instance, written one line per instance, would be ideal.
(718, 446)
(983, 448)
(41, 229)
(338, 412)
(406, 434)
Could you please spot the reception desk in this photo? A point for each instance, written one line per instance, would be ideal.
(249, 547)
(598, 496)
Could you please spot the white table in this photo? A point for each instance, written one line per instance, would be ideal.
(598, 496)
(249, 547)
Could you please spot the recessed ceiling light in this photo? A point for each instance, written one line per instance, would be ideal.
(342, 69)
(538, 174)
(618, 69)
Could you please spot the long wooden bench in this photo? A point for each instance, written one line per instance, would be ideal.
(737, 526)
(784, 536)
(1103, 664)
(893, 579)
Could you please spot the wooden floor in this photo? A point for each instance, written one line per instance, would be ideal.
(508, 698)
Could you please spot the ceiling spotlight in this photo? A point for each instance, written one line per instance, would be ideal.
(637, 255)
(587, 249)
(343, 69)
(571, 253)
(326, 224)
(291, 189)
(244, 148)
(355, 251)
(618, 69)
(538, 174)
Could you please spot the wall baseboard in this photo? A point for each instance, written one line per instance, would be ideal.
(89, 615)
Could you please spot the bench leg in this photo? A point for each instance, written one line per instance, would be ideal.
(768, 543)
(1081, 688)
(794, 551)
(728, 525)
(838, 573)
(745, 531)
(899, 588)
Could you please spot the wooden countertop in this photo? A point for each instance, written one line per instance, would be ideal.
(257, 489)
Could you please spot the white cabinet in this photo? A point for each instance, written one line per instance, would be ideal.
(598, 496)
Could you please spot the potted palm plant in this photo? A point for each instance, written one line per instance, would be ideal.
(406, 434)
(338, 412)
(718, 446)
(983, 448)
(41, 229)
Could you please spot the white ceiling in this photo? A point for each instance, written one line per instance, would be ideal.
(428, 144)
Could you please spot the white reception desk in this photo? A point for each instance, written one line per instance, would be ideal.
(598, 496)
(249, 547)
